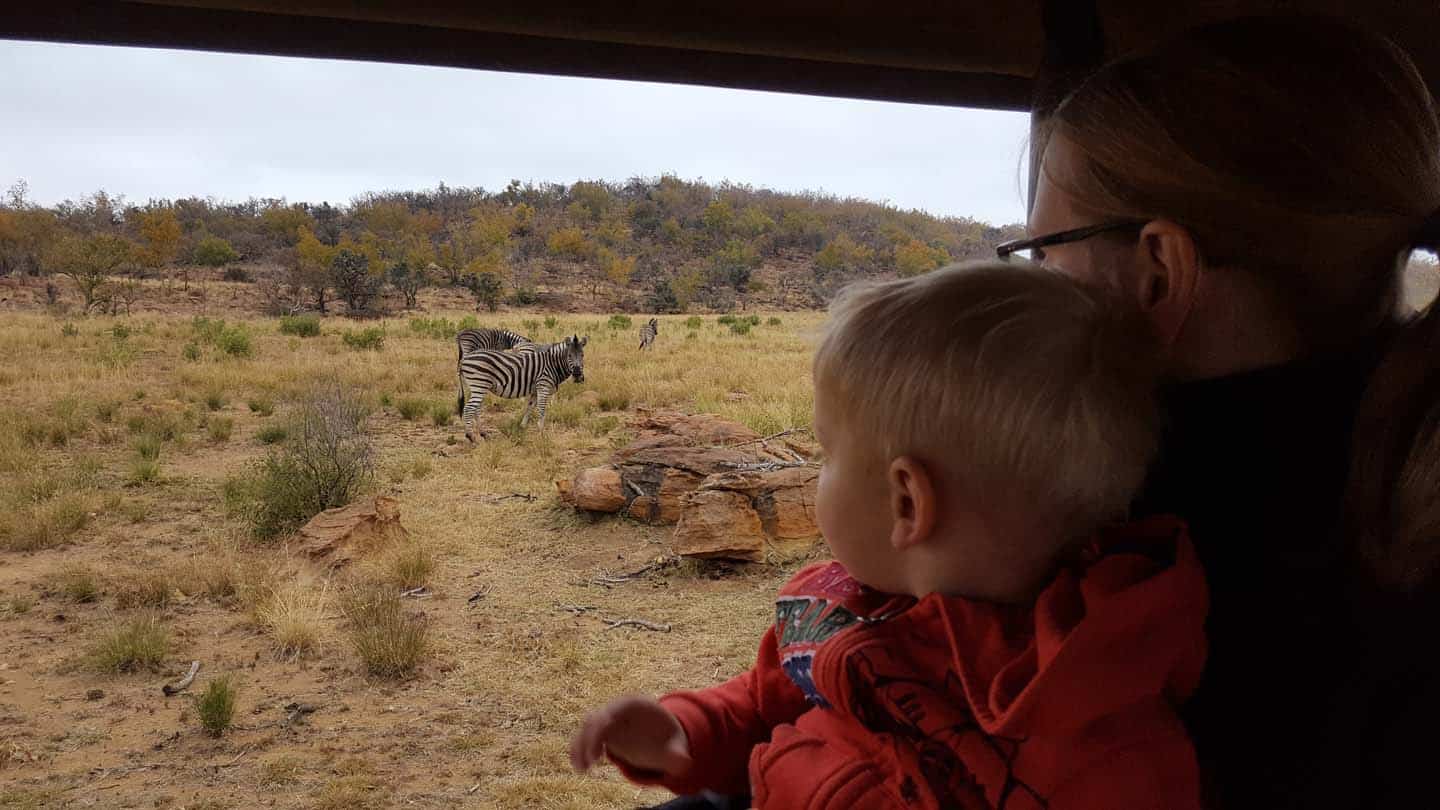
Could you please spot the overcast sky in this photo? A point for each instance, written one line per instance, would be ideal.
(153, 123)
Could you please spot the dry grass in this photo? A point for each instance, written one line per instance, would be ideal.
(153, 586)
(511, 673)
(390, 640)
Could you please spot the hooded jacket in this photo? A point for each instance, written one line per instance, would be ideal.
(860, 699)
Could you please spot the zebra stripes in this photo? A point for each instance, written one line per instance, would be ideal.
(473, 340)
(648, 333)
(534, 372)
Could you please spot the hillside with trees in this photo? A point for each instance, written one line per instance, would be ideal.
(655, 245)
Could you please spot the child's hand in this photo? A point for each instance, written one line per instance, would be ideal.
(637, 731)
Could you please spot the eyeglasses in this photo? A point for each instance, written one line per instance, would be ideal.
(1030, 246)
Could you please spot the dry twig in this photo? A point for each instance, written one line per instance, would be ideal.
(611, 624)
(184, 683)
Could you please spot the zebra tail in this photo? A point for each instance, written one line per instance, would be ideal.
(460, 400)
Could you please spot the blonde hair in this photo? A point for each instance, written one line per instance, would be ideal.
(1027, 388)
(1306, 153)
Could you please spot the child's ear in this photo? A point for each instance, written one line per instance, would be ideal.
(913, 505)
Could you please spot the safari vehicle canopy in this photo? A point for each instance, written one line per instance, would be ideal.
(961, 52)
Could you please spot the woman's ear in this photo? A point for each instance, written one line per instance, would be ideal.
(1167, 278)
(913, 505)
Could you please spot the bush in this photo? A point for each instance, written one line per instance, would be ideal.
(212, 251)
(726, 319)
(773, 322)
(740, 328)
(438, 328)
(390, 641)
(524, 297)
(272, 434)
(191, 351)
(550, 322)
(220, 428)
(753, 320)
(327, 462)
(216, 706)
(215, 400)
(619, 322)
(360, 340)
(140, 643)
(300, 325)
(411, 408)
(234, 342)
(694, 322)
(264, 406)
(69, 330)
(531, 326)
(441, 414)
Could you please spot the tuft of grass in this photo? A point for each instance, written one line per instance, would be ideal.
(45, 525)
(69, 330)
(421, 468)
(532, 327)
(272, 434)
(390, 641)
(740, 327)
(694, 322)
(619, 322)
(371, 338)
(147, 588)
(410, 566)
(691, 336)
(78, 584)
(550, 322)
(441, 414)
(19, 604)
(144, 471)
(773, 322)
(280, 771)
(294, 617)
(614, 401)
(191, 352)
(411, 408)
(264, 406)
(139, 643)
(105, 410)
(300, 325)
(216, 705)
(147, 446)
(726, 320)
(215, 400)
(220, 428)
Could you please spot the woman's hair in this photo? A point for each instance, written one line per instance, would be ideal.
(1304, 152)
(1015, 382)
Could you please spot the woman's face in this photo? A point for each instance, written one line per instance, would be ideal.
(1093, 261)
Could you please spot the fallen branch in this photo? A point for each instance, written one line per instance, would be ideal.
(606, 578)
(576, 609)
(611, 624)
(639, 493)
(521, 496)
(183, 683)
(417, 593)
(480, 594)
(765, 438)
(232, 762)
(766, 466)
(297, 711)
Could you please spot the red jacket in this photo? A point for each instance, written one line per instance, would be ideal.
(861, 699)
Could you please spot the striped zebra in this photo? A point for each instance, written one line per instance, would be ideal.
(473, 340)
(648, 333)
(533, 372)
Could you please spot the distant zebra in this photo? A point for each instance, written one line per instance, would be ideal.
(534, 372)
(648, 333)
(472, 340)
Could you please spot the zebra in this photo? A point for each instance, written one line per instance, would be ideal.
(471, 340)
(533, 372)
(648, 333)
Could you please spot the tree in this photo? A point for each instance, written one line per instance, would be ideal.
(486, 287)
(731, 265)
(662, 298)
(159, 237)
(283, 223)
(843, 255)
(686, 285)
(352, 279)
(91, 261)
(212, 251)
(719, 218)
(409, 279)
(912, 258)
(617, 269)
(311, 272)
(570, 243)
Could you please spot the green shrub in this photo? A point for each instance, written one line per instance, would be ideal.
(69, 330)
(191, 351)
(773, 322)
(388, 639)
(619, 322)
(550, 322)
(524, 297)
(212, 251)
(468, 322)
(753, 320)
(220, 428)
(411, 408)
(370, 338)
(215, 400)
(327, 461)
(234, 342)
(438, 328)
(726, 319)
(140, 643)
(441, 414)
(216, 706)
(694, 322)
(143, 471)
(147, 446)
(532, 327)
(272, 434)
(263, 406)
(300, 325)
(740, 327)
(120, 331)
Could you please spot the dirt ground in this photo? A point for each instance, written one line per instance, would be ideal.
(519, 645)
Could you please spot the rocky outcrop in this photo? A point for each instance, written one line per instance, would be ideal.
(729, 492)
(339, 535)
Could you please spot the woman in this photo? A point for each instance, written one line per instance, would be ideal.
(1256, 187)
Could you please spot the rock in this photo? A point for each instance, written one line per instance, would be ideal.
(344, 533)
(784, 498)
(673, 488)
(719, 523)
(699, 460)
(644, 508)
(598, 489)
(693, 429)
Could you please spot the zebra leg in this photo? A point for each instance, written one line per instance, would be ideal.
(525, 415)
(543, 390)
(471, 413)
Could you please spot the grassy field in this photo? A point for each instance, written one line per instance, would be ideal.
(120, 563)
